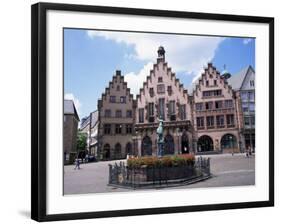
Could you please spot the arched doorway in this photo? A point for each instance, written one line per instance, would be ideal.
(117, 151)
(169, 146)
(129, 149)
(146, 146)
(106, 151)
(228, 141)
(184, 144)
(205, 144)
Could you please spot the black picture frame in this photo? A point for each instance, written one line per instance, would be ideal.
(39, 107)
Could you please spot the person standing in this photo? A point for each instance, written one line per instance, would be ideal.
(77, 163)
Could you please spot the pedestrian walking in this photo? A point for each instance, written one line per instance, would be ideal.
(77, 163)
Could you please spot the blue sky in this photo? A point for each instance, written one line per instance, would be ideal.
(91, 58)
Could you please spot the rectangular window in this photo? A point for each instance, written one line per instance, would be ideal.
(207, 83)
(215, 82)
(107, 113)
(118, 128)
(169, 90)
(162, 108)
(118, 113)
(200, 122)
(247, 121)
(141, 115)
(122, 99)
(160, 79)
(129, 113)
(245, 107)
(230, 119)
(210, 121)
(251, 107)
(151, 109)
(218, 104)
(199, 106)
(228, 103)
(244, 96)
(209, 105)
(107, 129)
(172, 107)
(112, 99)
(217, 92)
(161, 88)
(253, 120)
(182, 112)
(251, 96)
(220, 121)
(128, 128)
(151, 92)
(207, 93)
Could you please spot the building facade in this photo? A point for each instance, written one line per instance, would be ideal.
(215, 114)
(70, 127)
(89, 126)
(244, 85)
(115, 120)
(163, 96)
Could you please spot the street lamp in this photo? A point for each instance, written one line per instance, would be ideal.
(178, 134)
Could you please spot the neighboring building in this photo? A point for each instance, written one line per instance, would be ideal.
(70, 126)
(244, 85)
(163, 96)
(214, 114)
(89, 125)
(116, 120)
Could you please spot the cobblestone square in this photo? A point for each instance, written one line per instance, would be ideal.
(227, 170)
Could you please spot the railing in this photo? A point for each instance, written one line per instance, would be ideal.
(123, 176)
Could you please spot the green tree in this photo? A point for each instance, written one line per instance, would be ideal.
(81, 141)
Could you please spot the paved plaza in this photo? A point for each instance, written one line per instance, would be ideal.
(227, 170)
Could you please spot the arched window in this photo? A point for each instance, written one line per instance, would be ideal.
(205, 143)
(228, 141)
(184, 143)
(117, 151)
(129, 148)
(106, 151)
(169, 146)
(146, 146)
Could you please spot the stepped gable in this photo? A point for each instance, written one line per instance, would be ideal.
(161, 64)
(210, 70)
(117, 79)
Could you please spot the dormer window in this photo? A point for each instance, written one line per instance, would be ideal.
(169, 90)
(252, 83)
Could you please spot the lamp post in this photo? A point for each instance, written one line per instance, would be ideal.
(178, 134)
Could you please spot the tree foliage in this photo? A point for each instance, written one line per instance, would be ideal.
(81, 141)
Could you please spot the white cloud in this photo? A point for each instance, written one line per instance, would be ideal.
(247, 40)
(184, 53)
(70, 96)
(135, 81)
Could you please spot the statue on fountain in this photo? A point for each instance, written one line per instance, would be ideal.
(160, 138)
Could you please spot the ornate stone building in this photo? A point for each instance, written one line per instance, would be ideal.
(115, 120)
(209, 118)
(163, 96)
(215, 111)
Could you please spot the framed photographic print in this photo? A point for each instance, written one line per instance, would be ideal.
(131, 106)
